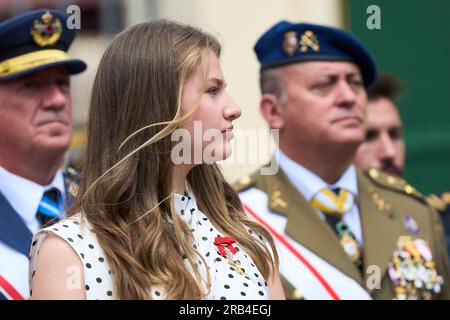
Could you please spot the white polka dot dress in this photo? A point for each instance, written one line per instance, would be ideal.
(75, 231)
(226, 281)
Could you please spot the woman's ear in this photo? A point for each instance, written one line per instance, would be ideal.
(271, 110)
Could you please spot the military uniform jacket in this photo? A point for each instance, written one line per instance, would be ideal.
(442, 205)
(15, 244)
(313, 265)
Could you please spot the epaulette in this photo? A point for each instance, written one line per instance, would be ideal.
(244, 183)
(388, 181)
(72, 180)
(440, 203)
(72, 172)
(446, 197)
(436, 202)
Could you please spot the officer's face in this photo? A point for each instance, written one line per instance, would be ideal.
(35, 113)
(324, 104)
(213, 111)
(384, 147)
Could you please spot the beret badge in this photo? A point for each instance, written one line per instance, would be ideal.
(287, 43)
(47, 30)
(290, 44)
(309, 39)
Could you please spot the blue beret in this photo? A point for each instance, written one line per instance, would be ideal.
(288, 42)
(34, 41)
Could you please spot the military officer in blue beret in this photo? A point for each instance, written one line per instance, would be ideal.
(35, 129)
(341, 233)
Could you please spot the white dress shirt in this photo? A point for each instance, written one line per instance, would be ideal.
(309, 184)
(25, 195)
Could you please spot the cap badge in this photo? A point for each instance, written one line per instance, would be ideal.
(47, 30)
(309, 39)
(290, 43)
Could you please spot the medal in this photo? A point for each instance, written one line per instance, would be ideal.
(394, 274)
(225, 248)
(350, 246)
(423, 249)
(412, 270)
(348, 242)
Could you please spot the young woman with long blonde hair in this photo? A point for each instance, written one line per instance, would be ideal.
(145, 225)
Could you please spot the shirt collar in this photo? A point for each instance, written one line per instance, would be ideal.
(309, 184)
(25, 195)
(185, 205)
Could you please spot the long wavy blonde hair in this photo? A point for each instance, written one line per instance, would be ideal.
(125, 193)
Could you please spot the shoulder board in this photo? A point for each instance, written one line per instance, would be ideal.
(71, 174)
(437, 202)
(446, 197)
(72, 180)
(394, 183)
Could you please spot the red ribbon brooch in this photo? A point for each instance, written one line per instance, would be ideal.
(225, 248)
(225, 245)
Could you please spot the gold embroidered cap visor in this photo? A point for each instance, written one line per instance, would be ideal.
(34, 41)
(38, 60)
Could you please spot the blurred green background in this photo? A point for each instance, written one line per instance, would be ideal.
(413, 44)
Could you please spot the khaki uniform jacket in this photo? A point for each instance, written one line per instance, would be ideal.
(383, 203)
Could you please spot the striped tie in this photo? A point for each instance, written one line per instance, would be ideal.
(334, 203)
(50, 207)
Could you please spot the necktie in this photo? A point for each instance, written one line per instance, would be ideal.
(334, 203)
(50, 207)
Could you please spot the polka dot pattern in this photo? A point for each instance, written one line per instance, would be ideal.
(75, 231)
(227, 282)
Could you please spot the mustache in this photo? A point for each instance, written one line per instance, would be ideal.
(390, 167)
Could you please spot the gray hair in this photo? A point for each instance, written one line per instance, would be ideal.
(270, 81)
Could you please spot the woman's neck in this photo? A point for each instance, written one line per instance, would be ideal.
(179, 175)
